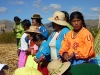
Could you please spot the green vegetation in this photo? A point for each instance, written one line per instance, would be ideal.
(7, 37)
(93, 30)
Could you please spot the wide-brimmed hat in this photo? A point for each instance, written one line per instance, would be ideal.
(3, 66)
(26, 71)
(36, 16)
(34, 29)
(56, 67)
(58, 18)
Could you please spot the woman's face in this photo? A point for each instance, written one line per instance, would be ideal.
(29, 37)
(34, 22)
(24, 27)
(55, 26)
(38, 43)
(76, 23)
(17, 22)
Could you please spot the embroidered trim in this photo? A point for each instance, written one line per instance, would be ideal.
(56, 71)
(56, 18)
(52, 35)
(89, 37)
(72, 33)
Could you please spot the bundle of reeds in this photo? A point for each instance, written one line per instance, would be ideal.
(8, 55)
(97, 43)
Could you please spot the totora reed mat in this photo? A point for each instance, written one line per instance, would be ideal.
(8, 55)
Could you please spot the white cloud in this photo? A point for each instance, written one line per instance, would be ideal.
(20, 10)
(76, 8)
(55, 7)
(45, 9)
(95, 9)
(37, 3)
(3, 10)
(17, 2)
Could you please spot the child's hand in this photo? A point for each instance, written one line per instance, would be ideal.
(28, 52)
(37, 60)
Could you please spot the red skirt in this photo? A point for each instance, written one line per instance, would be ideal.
(43, 69)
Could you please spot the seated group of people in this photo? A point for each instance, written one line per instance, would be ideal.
(67, 51)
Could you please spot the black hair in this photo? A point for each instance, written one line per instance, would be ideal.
(16, 18)
(38, 37)
(38, 21)
(26, 23)
(66, 15)
(77, 14)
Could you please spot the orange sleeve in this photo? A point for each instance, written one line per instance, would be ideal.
(64, 46)
(87, 50)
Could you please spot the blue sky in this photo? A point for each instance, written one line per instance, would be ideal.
(26, 8)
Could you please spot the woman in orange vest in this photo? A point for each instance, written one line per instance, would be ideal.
(78, 45)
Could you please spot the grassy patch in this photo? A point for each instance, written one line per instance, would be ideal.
(7, 37)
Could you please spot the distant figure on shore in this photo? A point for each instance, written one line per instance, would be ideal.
(18, 29)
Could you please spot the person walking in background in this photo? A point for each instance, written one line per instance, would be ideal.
(24, 44)
(43, 54)
(18, 29)
(36, 21)
(78, 45)
(60, 30)
(67, 20)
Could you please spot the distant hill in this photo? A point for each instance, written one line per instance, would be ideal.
(9, 24)
(92, 23)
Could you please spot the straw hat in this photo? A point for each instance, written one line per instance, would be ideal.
(26, 71)
(58, 18)
(36, 16)
(56, 67)
(34, 29)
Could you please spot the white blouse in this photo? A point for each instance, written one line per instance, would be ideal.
(52, 45)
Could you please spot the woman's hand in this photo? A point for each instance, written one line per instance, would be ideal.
(68, 57)
(65, 56)
(71, 56)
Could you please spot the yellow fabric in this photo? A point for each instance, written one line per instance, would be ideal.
(26, 71)
(30, 62)
(81, 44)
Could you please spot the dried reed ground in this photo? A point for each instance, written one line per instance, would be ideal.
(8, 55)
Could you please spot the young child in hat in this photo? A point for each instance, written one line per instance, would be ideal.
(43, 54)
(33, 48)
